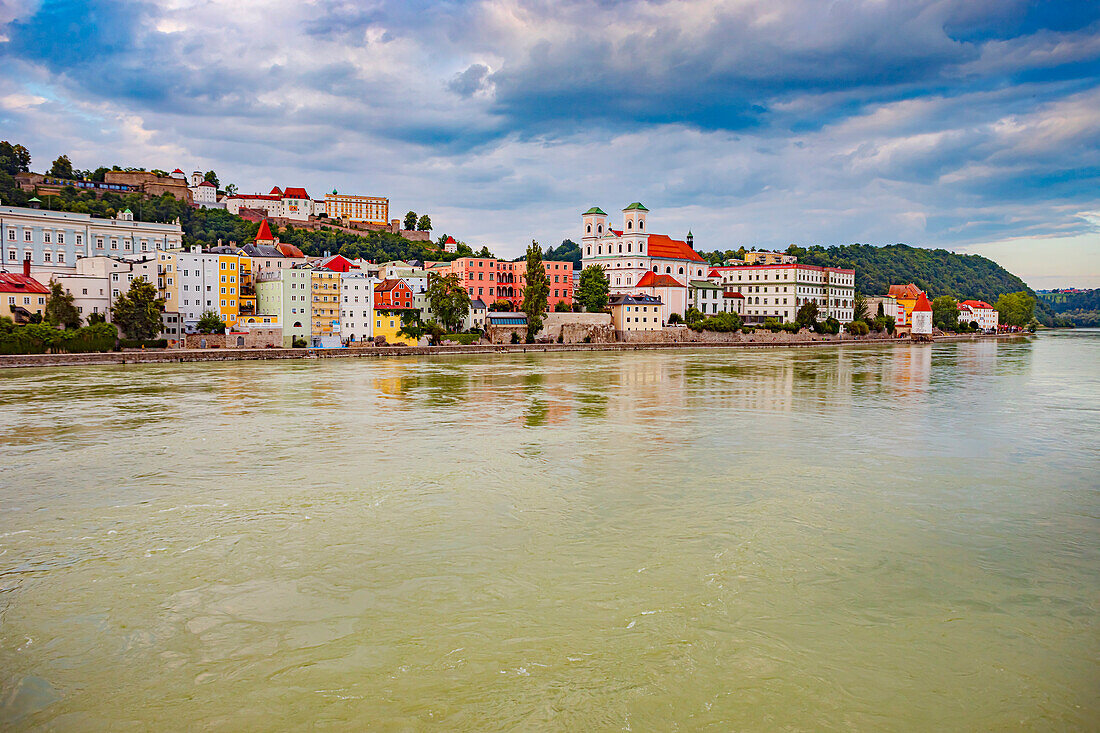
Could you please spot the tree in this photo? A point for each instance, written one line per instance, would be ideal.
(97, 318)
(501, 306)
(945, 313)
(424, 224)
(448, 300)
(536, 291)
(411, 326)
(137, 313)
(693, 315)
(211, 322)
(484, 252)
(62, 167)
(61, 308)
(807, 315)
(592, 290)
(211, 177)
(410, 221)
(14, 158)
(230, 189)
(860, 311)
(1015, 309)
(561, 307)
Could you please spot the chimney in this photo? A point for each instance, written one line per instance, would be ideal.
(26, 268)
(691, 240)
(219, 241)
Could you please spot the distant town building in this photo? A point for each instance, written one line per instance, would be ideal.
(371, 209)
(711, 296)
(906, 297)
(293, 203)
(889, 306)
(203, 192)
(492, 279)
(450, 245)
(97, 282)
(21, 296)
(769, 258)
(287, 294)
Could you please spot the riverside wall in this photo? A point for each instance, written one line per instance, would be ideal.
(161, 356)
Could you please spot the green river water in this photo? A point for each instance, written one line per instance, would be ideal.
(881, 538)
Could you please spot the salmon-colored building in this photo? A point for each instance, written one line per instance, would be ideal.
(392, 293)
(492, 279)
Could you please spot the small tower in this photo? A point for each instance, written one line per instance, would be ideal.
(196, 178)
(594, 222)
(922, 317)
(634, 218)
(691, 239)
(126, 216)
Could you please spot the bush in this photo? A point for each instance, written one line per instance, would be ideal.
(300, 343)
(791, 327)
(748, 329)
(674, 319)
(561, 307)
(858, 328)
(772, 325)
(577, 308)
(40, 338)
(515, 337)
(463, 338)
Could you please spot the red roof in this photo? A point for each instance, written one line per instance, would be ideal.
(275, 191)
(207, 183)
(260, 196)
(714, 273)
(922, 304)
(450, 240)
(977, 304)
(673, 249)
(617, 232)
(905, 292)
(11, 282)
(338, 263)
(295, 193)
(388, 284)
(177, 170)
(264, 235)
(730, 294)
(653, 280)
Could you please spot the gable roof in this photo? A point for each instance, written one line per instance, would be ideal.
(11, 282)
(922, 304)
(977, 304)
(705, 284)
(295, 193)
(638, 299)
(289, 250)
(660, 245)
(655, 280)
(904, 292)
(389, 284)
(478, 304)
(637, 205)
(208, 183)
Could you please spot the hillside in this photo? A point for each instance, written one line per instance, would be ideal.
(1081, 307)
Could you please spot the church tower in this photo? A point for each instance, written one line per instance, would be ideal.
(634, 219)
(594, 226)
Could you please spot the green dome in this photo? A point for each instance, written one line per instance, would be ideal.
(596, 210)
(636, 205)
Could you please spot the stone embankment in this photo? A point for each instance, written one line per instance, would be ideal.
(156, 356)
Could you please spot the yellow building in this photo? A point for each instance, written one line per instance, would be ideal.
(325, 308)
(373, 209)
(194, 282)
(636, 313)
(768, 258)
(906, 297)
(387, 322)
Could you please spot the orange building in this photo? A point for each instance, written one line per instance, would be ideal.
(491, 279)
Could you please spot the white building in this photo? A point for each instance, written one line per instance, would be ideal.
(475, 318)
(779, 290)
(356, 307)
(54, 240)
(293, 203)
(627, 254)
(203, 192)
(980, 312)
(922, 317)
(711, 296)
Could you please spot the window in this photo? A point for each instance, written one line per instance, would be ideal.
(11, 235)
(46, 237)
(26, 235)
(46, 256)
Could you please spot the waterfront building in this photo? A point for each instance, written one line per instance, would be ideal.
(370, 209)
(922, 316)
(980, 312)
(21, 296)
(711, 296)
(97, 282)
(666, 288)
(637, 313)
(769, 258)
(195, 282)
(387, 322)
(356, 307)
(293, 203)
(906, 297)
(889, 306)
(54, 240)
(627, 254)
(286, 294)
(491, 279)
(778, 291)
(393, 293)
(325, 312)
(475, 318)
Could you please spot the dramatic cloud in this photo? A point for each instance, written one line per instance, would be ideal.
(956, 123)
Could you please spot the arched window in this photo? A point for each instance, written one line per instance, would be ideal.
(240, 341)
(620, 249)
(641, 224)
(297, 324)
(630, 225)
(655, 268)
(681, 272)
(588, 229)
(668, 270)
(599, 229)
(589, 250)
(628, 246)
(599, 250)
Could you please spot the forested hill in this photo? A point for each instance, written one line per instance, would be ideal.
(936, 271)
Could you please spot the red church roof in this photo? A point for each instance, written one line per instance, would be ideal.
(673, 249)
(264, 235)
(653, 280)
(904, 292)
(206, 183)
(977, 304)
(922, 304)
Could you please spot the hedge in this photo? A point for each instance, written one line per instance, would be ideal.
(39, 338)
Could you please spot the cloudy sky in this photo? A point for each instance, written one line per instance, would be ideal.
(967, 124)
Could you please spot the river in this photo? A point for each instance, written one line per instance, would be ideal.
(901, 537)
